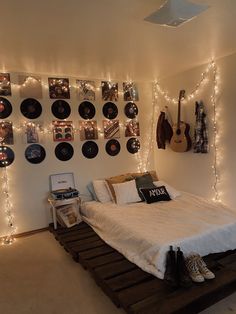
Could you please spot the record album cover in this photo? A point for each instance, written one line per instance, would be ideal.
(6, 133)
(85, 90)
(111, 129)
(109, 91)
(30, 86)
(59, 88)
(63, 131)
(5, 84)
(130, 91)
(88, 130)
(132, 128)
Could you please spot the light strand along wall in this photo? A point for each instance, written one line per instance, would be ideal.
(29, 183)
(191, 171)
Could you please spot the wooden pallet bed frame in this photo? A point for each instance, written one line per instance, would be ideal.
(139, 292)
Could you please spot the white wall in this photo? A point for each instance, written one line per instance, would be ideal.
(29, 183)
(193, 172)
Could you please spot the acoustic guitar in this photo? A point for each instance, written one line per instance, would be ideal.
(180, 141)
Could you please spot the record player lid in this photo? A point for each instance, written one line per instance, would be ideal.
(62, 181)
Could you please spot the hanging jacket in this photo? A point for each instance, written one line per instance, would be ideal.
(200, 131)
(164, 131)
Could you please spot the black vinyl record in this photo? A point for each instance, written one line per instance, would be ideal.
(90, 149)
(131, 110)
(6, 156)
(61, 109)
(87, 110)
(31, 108)
(110, 110)
(113, 147)
(64, 151)
(133, 145)
(35, 153)
(5, 108)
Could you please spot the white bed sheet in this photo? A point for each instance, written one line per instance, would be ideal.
(143, 232)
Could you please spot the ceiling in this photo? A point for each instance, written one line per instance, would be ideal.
(109, 38)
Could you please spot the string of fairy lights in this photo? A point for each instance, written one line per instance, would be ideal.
(205, 78)
(144, 160)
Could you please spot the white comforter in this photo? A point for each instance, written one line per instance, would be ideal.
(143, 232)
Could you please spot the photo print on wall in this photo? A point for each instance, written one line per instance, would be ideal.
(5, 84)
(130, 91)
(30, 86)
(88, 130)
(63, 131)
(109, 91)
(111, 129)
(6, 133)
(85, 90)
(59, 88)
(132, 128)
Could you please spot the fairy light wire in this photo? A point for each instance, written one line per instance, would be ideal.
(211, 67)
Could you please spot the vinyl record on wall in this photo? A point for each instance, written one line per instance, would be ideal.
(35, 153)
(61, 109)
(113, 147)
(6, 156)
(5, 108)
(110, 110)
(133, 145)
(31, 108)
(87, 110)
(64, 151)
(131, 110)
(90, 149)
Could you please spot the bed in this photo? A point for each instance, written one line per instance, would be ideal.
(143, 232)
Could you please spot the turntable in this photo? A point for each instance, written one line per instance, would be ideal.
(62, 186)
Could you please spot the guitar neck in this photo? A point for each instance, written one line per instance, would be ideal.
(178, 119)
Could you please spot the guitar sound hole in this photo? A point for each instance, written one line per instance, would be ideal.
(178, 131)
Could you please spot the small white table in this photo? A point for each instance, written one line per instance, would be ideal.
(56, 203)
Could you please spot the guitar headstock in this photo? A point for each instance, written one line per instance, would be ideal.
(181, 94)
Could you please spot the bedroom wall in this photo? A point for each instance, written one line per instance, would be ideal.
(29, 183)
(190, 171)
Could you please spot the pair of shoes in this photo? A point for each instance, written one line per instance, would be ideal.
(176, 273)
(197, 268)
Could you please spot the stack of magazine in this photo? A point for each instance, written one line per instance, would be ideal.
(68, 215)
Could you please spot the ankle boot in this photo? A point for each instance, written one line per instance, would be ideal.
(183, 277)
(170, 273)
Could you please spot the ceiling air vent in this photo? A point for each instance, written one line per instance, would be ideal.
(176, 12)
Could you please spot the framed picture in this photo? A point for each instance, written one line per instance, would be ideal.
(63, 131)
(32, 132)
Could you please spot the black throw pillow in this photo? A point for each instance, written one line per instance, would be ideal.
(144, 181)
(156, 194)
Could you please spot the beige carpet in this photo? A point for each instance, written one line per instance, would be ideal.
(38, 277)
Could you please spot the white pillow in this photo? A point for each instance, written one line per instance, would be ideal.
(101, 191)
(126, 192)
(171, 191)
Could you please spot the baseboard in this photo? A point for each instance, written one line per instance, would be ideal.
(28, 233)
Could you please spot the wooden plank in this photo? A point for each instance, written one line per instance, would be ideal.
(132, 295)
(128, 279)
(85, 246)
(113, 269)
(105, 249)
(61, 230)
(104, 259)
(81, 242)
(190, 301)
(76, 237)
(74, 234)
